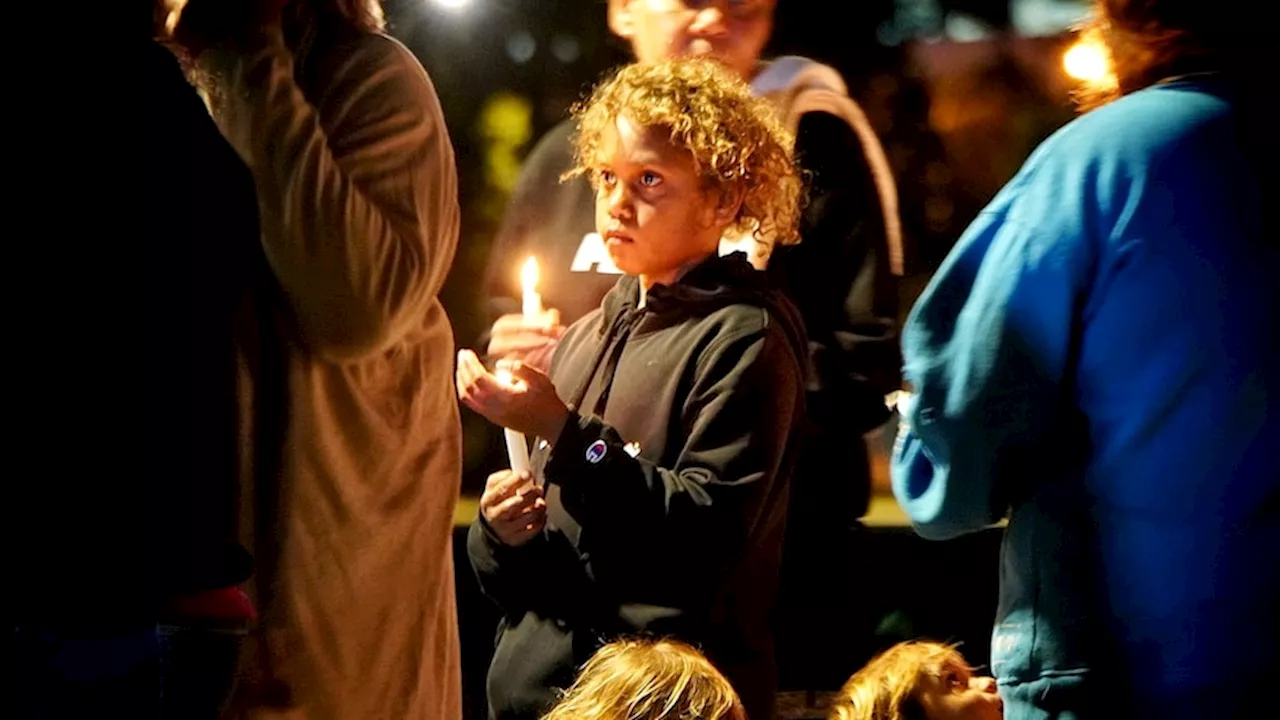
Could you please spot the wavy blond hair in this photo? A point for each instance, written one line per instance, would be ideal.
(649, 680)
(737, 143)
(887, 687)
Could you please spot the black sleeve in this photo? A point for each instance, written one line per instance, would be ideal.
(543, 575)
(839, 276)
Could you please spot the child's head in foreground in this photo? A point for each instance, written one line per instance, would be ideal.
(680, 153)
(649, 680)
(917, 680)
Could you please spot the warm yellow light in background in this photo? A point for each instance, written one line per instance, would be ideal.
(1086, 60)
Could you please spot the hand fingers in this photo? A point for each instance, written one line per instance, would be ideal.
(467, 379)
(476, 386)
(527, 374)
(462, 378)
(469, 363)
(497, 489)
(503, 484)
(524, 529)
(516, 520)
(465, 374)
(514, 506)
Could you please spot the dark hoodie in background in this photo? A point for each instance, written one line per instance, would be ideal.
(667, 490)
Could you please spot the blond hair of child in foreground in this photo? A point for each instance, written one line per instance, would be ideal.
(917, 680)
(649, 680)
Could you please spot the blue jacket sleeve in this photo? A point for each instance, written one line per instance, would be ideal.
(986, 350)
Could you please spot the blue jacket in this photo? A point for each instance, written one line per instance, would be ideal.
(1093, 361)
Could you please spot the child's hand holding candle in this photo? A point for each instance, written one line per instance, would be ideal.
(522, 399)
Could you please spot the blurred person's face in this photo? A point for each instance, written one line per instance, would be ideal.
(957, 694)
(731, 31)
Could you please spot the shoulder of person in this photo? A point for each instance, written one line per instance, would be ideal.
(745, 320)
(377, 60)
(1158, 120)
(1114, 146)
(793, 74)
(379, 48)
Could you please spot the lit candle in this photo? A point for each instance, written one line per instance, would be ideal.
(517, 448)
(531, 301)
(531, 306)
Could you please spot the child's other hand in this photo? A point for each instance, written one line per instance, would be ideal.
(531, 342)
(513, 507)
(526, 402)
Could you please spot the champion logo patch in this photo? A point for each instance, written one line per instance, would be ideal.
(596, 451)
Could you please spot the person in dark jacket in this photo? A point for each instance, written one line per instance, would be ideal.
(841, 276)
(669, 424)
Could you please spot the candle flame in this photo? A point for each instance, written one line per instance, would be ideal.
(529, 274)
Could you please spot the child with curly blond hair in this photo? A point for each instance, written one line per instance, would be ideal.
(917, 680)
(666, 429)
(649, 680)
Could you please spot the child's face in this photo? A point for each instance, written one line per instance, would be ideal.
(731, 31)
(656, 214)
(957, 694)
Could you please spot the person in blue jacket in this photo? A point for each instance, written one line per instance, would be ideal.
(1093, 361)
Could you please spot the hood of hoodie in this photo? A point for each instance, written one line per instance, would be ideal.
(715, 283)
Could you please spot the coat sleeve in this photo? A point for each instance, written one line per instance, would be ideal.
(987, 351)
(359, 203)
(543, 575)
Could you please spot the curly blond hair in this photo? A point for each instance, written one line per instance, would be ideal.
(649, 680)
(737, 142)
(886, 688)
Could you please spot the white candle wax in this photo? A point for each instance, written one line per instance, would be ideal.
(517, 448)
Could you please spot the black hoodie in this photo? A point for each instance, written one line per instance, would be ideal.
(666, 490)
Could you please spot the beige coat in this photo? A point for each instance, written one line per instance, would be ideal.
(357, 191)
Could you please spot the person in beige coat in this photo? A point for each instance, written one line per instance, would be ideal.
(357, 191)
